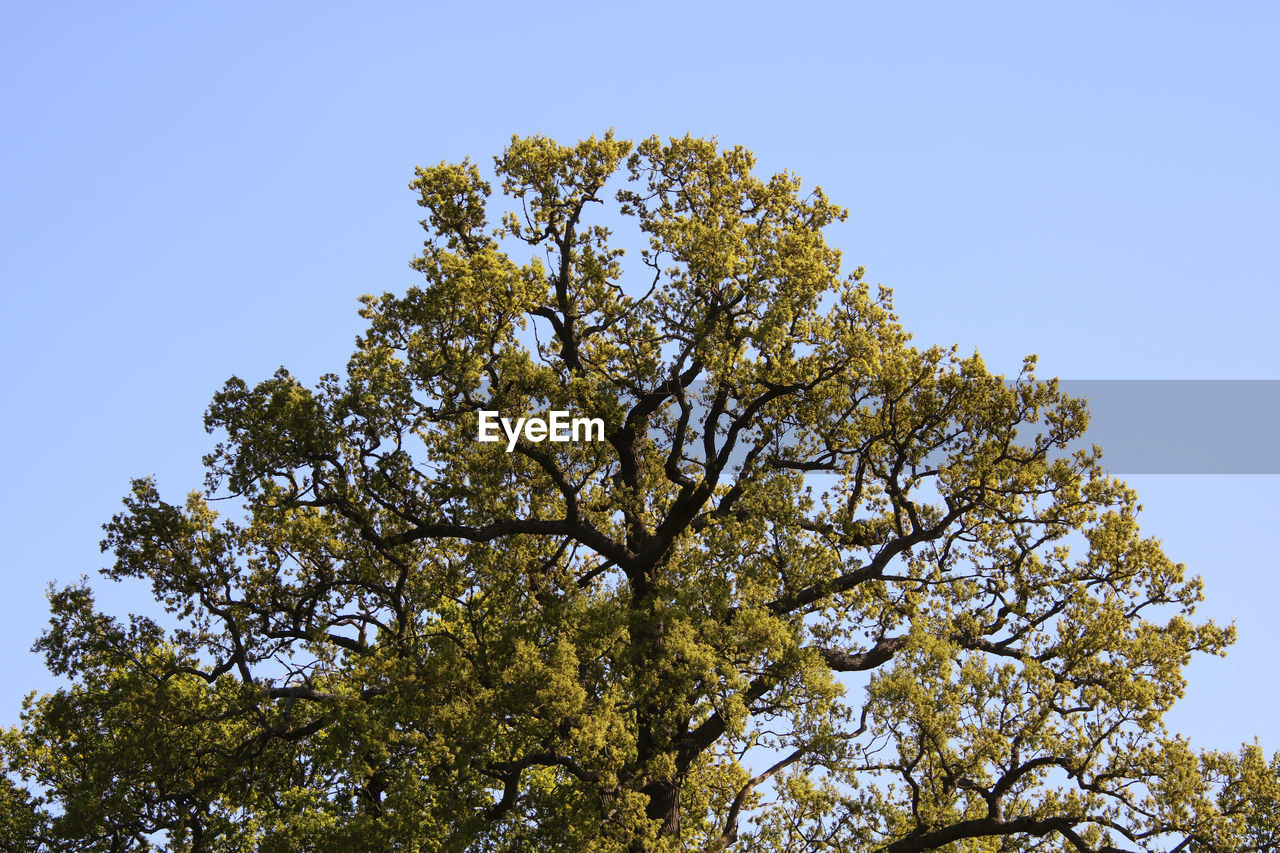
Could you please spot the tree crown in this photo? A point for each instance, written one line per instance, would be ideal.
(817, 589)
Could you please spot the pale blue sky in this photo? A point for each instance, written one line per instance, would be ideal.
(195, 191)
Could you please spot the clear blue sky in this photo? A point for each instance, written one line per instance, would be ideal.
(192, 191)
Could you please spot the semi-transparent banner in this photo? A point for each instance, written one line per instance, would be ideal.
(1183, 426)
(1144, 426)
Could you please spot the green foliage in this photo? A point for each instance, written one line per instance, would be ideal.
(818, 589)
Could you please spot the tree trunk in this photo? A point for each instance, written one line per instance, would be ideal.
(664, 805)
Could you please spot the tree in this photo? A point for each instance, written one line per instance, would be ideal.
(813, 590)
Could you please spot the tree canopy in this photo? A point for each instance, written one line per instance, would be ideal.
(817, 588)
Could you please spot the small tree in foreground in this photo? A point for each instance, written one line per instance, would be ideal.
(414, 640)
